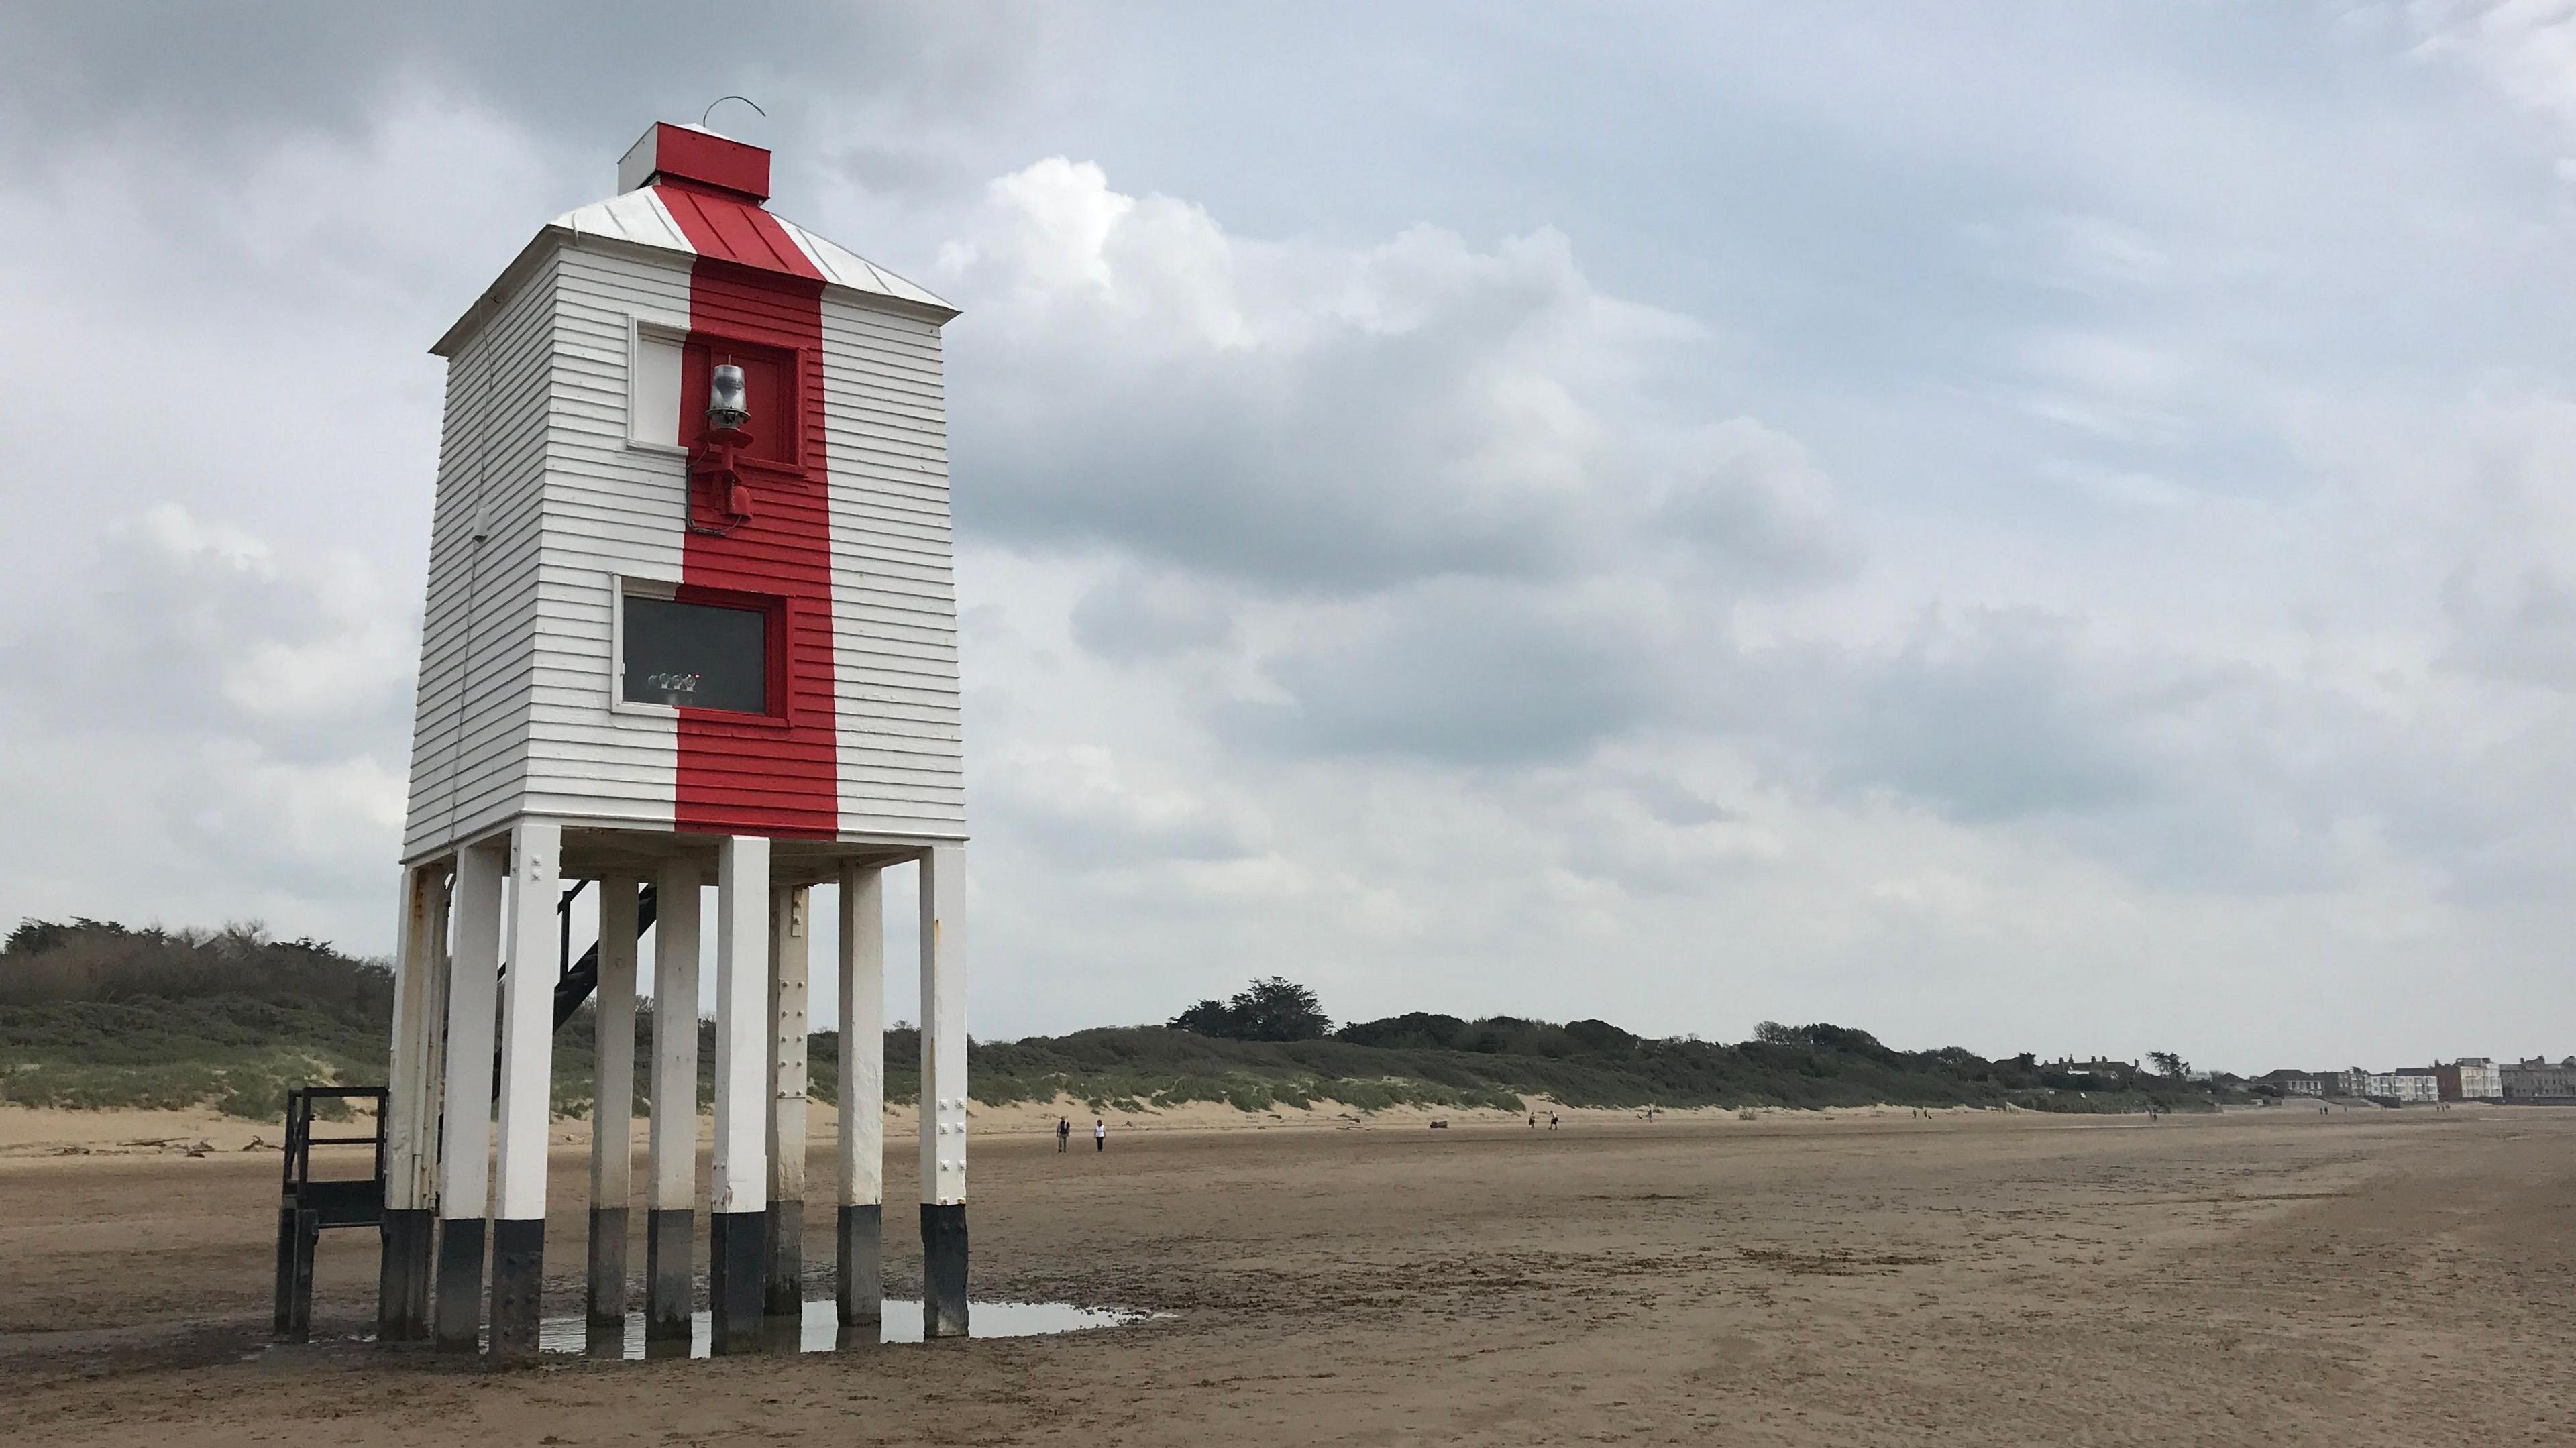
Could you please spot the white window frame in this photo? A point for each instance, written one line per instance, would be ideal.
(622, 586)
(641, 327)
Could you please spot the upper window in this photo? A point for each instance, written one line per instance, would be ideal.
(696, 655)
(653, 405)
(667, 392)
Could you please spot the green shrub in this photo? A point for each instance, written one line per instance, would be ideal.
(94, 1014)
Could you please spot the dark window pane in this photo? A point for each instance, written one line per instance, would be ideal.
(696, 654)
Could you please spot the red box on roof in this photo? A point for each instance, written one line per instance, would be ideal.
(692, 157)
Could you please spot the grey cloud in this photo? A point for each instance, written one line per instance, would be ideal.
(1676, 803)
(1338, 472)
(1988, 724)
(226, 721)
(2091, 255)
(184, 629)
(1131, 616)
(895, 168)
(2508, 600)
(2179, 770)
(2519, 627)
(1085, 807)
(1991, 718)
(196, 74)
(1094, 840)
(1752, 514)
(1461, 674)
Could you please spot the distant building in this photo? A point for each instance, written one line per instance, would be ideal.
(2417, 1085)
(2355, 1082)
(2294, 1083)
(2101, 1071)
(2536, 1079)
(2471, 1078)
(2405, 1086)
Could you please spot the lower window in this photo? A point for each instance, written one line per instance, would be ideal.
(696, 655)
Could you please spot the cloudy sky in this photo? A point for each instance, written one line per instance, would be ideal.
(2032, 527)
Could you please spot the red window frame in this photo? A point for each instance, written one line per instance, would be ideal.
(701, 351)
(776, 636)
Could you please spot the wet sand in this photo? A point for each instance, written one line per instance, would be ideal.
(2263, 1277)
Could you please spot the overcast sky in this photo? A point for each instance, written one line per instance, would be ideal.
(2032, 527)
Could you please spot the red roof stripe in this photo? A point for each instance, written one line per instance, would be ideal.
(733, 230)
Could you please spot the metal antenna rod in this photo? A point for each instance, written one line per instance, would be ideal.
(720, 100)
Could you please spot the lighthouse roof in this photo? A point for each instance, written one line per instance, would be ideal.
(700, 195)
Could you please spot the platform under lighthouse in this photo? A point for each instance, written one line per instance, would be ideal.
(691, 622)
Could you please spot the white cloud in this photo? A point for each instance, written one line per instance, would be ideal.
(1303, 416)
(2526, 48)
(207, 727)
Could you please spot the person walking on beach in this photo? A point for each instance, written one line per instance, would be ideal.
(1063, 1133)
(1099, 1134)
(1551, 1121)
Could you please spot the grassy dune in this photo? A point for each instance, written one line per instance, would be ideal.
(95, 1014)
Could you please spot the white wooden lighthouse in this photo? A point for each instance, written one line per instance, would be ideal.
(690, 622)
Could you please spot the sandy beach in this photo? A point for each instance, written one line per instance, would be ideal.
(2280, 1277)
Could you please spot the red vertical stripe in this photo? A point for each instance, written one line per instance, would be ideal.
(738, 775)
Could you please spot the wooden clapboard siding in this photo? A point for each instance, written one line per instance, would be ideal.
(613, 509)
(471, 712)
(536, 424)
(893, 589)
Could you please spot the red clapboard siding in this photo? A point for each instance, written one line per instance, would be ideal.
(752, 284)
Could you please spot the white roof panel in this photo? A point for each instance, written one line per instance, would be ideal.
(638, 217)
(641, 218)
(841, 265)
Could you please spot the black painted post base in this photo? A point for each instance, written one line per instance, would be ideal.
(670, 1276)
(605, 1305)
(283, 1323)
(734, 1269)
(297, 1232)
(862, 1263)
(783, 1287)
(518, 1277)
(459, 1303)
(410, 1241)
(943, 1270)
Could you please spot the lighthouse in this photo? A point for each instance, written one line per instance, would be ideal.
(690, 623)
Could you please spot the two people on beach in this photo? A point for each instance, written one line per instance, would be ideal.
(1064, 1133)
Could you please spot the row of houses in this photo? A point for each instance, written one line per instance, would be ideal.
(2470, 1078)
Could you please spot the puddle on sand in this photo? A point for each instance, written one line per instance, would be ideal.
(820, 1330)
